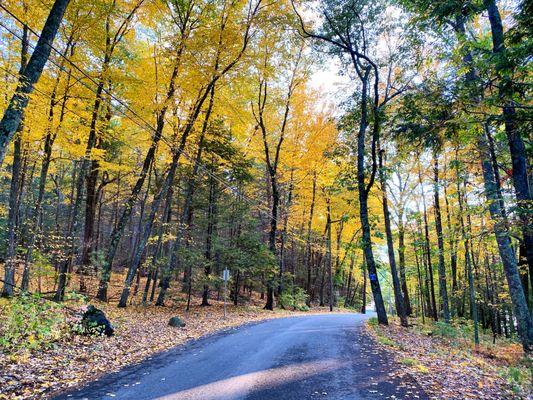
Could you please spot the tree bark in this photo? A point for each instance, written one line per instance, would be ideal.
(398, 298)
(14, 113)
(427, 253)
(308, 254)
(517, 149)
(510, 265)
(14, 189)
(443, 290)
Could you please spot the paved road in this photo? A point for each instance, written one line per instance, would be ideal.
(311, 357)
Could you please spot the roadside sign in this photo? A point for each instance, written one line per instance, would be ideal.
(225, 275)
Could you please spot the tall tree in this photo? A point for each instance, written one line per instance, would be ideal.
(14, 112)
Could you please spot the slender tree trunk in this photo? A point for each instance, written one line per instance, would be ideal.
(453, 252)
(308, 253)
(401, 258)
(420, 286)
(284, 235)
(443, 290)
(211, 228)
(468, 262)
(11, 259)
(14, 189)
(363, 207)
(399, 302)
(272, 237)
(14, 113)
(118, 230)
(328, 263)
(349, 286)
(363, 291)
(434, 310)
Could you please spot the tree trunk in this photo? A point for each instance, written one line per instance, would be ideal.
(14, 189)
(211, 228)
(363, 206)
(363, 291)
(328, 263)
(401, 259)
(308, 253)
(284, 235)
(11, 256)
(14, 113)
(431, 283)
(452, 243)
(398, 298)
(510, 265)
(443, 290)
(349, 286)
(517, 149)
(468, 262)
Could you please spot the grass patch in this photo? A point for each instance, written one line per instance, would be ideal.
(410, 362)
(386, 341)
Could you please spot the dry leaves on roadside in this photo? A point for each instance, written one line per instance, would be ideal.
(140, 332)
(444, 371)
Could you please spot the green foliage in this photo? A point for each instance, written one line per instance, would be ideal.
(408, 361)
(518, 378)
(32, 323)
(386, 341)
(294, 299)
(42, 266)
(98, 260)
(445, 330)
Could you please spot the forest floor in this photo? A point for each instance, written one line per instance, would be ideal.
(446, 365)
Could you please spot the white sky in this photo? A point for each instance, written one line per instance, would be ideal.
(327, 80)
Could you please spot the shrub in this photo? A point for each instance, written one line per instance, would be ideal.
(295, 300)
(444, 329)
(31, 323)
(518, 378)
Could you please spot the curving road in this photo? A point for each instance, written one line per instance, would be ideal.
(324, 356)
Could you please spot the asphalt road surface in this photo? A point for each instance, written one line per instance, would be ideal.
(324, 356)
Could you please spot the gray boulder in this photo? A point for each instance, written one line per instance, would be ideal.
(176, 322)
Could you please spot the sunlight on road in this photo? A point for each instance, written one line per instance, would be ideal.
(255, 381)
